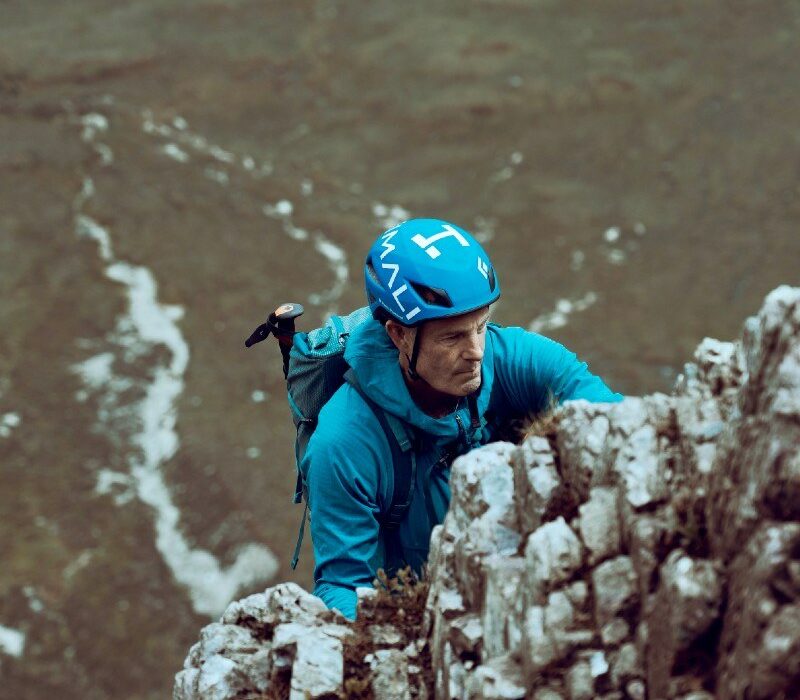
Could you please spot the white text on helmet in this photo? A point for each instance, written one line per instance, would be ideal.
(427, 243)
(385, 238)
(395, 268)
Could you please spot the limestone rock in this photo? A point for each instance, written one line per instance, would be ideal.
(284, 632)
(582, 676)
(687, 603)
(615, 589)
(218, 678)
(626, 667)
(498, 679)
(482, 519)
(628, 416)
(717, 372)
(599, 524)
(443, 600)
(288, 602)
(503, 605)
(579, 681)
(226, 660)
(761, 629)
(538, 648)
(222, 639)
(253, 607)
(535, 482)
(636, 690)
(442, 608)
(437, 558)
(700, 425)
(551, 634)
(615, 632)
(547, 694)
(450, 675)
(385, 635)
(480, 481)
(389, 679)
(578, 594)
(649, 536)
(761, 474)
(314, 656)
(581, 437)
(466, 635)
(187, 682)
(593, 564)
(552, 554)
(484, 537)
(637, 468)
(185, 686)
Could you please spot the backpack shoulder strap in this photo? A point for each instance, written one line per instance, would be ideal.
(404, 461)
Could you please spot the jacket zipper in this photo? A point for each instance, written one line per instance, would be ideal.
(462, 433)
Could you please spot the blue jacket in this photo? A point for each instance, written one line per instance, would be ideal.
(348, 462)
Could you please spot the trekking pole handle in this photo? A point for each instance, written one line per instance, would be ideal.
(259, 334)
(280, 323)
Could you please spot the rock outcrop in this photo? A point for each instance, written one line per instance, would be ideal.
(647, 549)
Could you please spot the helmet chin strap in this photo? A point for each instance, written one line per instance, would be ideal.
(412, 361)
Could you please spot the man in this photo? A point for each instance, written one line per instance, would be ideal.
(430, 359)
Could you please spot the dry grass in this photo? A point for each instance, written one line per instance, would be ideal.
(543, 424)
(400, 602)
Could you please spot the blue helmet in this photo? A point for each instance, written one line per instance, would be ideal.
(424, 269)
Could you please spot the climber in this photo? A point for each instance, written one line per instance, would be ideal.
(429, 361)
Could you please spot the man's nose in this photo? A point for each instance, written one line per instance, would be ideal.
(474, 349)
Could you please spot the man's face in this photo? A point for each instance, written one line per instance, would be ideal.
(451, 352)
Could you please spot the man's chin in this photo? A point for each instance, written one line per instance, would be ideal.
(470, 386)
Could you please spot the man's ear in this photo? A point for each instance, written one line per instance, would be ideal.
(401, 336)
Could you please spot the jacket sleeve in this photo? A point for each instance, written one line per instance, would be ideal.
(534, 371)
(342, 468)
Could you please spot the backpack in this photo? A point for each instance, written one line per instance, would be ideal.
(314, 368)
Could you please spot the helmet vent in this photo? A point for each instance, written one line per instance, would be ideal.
(492, 280)
(371, 271)
(436, 297)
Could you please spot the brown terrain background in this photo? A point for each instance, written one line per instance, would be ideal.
(642, 156)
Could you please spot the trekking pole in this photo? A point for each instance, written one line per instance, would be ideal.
(279, 323)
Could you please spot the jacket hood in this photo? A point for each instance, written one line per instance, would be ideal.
(374, 359)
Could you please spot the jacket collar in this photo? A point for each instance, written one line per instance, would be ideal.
(374, 359)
